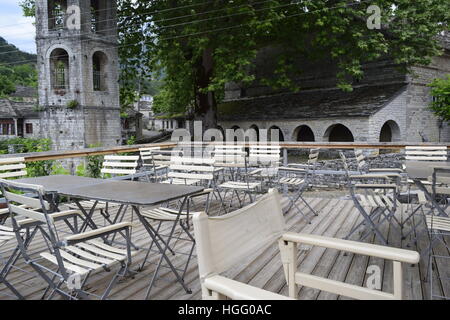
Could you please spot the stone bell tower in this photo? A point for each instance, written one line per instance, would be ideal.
(78, 72)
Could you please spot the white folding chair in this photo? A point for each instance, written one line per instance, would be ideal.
(267, 158)
(299, 179)
(420, 153)
(11, 168)
(223, 242)
(155, 160)
(234, 158)
(75, 257)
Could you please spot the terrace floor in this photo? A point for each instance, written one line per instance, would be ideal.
(263, 268)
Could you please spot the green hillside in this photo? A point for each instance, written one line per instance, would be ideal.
(16, 68)
(14, 54)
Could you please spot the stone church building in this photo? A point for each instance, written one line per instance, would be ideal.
(386, 105)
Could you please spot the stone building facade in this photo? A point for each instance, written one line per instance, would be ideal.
(386, 105)
(78, 72)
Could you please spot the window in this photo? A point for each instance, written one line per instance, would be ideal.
(99, 63)
(7, 127)
(28, 128)
(57, 14)
(59, 67)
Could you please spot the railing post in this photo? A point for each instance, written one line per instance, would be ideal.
(398, 280)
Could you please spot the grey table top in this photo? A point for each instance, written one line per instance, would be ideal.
(57, 182)
(118, 191)
(424, 169)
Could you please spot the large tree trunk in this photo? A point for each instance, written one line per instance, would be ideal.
(206, 105)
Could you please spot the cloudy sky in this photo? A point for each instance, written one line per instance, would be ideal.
(15, 28)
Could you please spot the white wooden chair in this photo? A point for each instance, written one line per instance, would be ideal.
(192, 171)
(234, 158)
(11, 168)
(267, 158)
(75, 257)
(224, 241)
(421, 153)
(299, 177)
(155, 160)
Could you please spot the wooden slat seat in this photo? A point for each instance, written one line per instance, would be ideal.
(291, 181)
(92, 256)
(188, 182)
(375, 201)
(164, 214)
(438, 223)
(239, 185)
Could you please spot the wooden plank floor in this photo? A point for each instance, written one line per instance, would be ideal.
(262, 268)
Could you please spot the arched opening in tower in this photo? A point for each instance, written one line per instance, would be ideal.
(59, 69)
(99, 15)
(56, 14)
(99, 65)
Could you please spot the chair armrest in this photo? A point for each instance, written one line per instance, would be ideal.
(293, 169)
(373, 250)
(98, 232)
(239, 291)
(397, 170)
(369, 176)
(254, 172)
(375, 186)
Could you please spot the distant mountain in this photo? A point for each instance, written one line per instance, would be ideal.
(14, 55)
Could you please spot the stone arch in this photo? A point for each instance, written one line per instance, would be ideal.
(59, 69)
(99, 71)
(303, 133)
(222, 131)
(390, 132)
(255, 127)
(338, 133)
(280, 134)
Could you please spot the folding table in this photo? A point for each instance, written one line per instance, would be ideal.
(132, 193)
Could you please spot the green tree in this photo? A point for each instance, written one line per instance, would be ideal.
(197, 46)
(440, 91)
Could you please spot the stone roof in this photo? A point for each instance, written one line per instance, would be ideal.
(6, 109)
(12, 109)
(312, 104)
(25, 92)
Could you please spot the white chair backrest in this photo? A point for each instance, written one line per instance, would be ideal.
(360, 160)
(120, 165)
(146, 153)
(264, 154)
(229, 155)
(428, 153)
(12, 168)
(192, 168)
(224, 241)
(18, 203)
(313, 156)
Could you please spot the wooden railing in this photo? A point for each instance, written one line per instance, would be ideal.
(55, 155)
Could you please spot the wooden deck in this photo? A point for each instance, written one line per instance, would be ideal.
(263, 268)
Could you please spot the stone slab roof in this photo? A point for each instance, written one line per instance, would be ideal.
(312, 104)
(12, 109)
